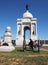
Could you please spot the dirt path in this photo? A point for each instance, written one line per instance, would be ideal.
(33, 55)
(36, 55)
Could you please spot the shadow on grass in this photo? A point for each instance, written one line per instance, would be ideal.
(20, 50)
(35, 51)
(28, 51)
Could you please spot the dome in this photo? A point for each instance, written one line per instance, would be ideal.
(27, 14)
(8, 29)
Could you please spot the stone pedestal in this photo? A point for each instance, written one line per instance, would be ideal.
(6, 48)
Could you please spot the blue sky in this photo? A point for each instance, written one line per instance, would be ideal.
(10, 10)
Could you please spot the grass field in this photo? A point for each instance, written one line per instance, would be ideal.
(18, 57)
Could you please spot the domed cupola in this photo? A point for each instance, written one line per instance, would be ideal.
(27, 14)
(8, 32)
(8, 29)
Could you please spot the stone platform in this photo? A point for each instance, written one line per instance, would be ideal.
(6, 48)
(45, 46)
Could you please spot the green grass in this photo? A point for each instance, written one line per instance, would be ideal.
(27, 51)
(18, 57)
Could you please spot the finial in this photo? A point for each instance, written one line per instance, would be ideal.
(27, 7)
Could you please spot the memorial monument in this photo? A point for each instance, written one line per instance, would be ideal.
(24, 23)
(8, 36)
(7, 41)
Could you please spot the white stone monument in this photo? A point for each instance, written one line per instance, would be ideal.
(7, 43)
(8, 36)
(24, 23)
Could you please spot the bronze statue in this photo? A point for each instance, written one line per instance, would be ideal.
(27, 7)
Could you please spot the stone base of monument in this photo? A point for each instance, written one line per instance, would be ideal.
(45, 46)
(6, 48)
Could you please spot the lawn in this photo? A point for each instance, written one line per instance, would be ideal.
(18, 57)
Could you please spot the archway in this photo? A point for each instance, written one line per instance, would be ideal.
(26, 29)
(27, 34)
(5, 44)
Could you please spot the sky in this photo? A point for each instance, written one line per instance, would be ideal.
(10, 10)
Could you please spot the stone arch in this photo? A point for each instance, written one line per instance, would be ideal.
(5, 44)
(25, 42)
(26, 28)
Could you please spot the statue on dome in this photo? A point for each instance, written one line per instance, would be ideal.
(27, 7)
